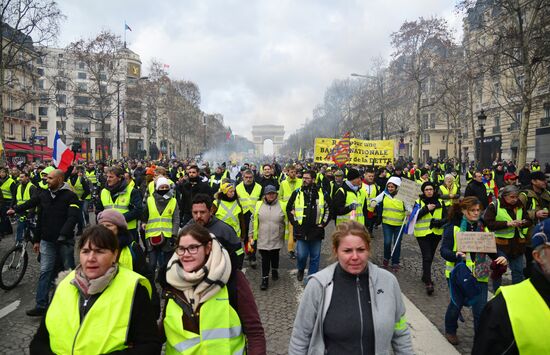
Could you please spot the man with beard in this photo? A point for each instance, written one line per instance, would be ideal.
(248, 193)
(187, 191)
(202, 214)
(309, 214)
(125, 199)
(476, 188)
(267, 178)
(513, 321)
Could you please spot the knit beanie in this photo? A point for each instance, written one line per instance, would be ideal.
(161, 181)
(353, 174)
(112, 216)
(426, 184)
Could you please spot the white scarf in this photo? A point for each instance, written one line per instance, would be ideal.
(204, 283)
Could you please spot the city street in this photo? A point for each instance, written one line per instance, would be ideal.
(278, 304)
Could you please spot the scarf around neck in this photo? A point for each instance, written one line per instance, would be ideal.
(199, 286)
(92, 287)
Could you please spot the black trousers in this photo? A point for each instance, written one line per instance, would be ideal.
(428, 247)
(270, 259)
(247, 216)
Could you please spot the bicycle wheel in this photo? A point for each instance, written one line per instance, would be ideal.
(13, 266)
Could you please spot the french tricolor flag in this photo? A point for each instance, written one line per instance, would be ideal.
(62, 156)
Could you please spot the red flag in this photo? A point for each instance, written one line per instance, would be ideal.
(339, 154)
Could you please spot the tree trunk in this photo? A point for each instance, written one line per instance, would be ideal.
(471, 119)
(418, 127)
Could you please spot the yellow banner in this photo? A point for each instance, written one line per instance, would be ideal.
(362, 152)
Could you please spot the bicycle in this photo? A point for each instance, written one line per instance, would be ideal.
(14, 263)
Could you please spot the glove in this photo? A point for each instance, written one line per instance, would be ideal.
(353, 206)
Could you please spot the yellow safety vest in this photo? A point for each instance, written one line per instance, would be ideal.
(422, 226)
(25, 196)
(490, 187)
(299, 207)
(287, 190)
(370, 193)
(121, 204)
(449, 265)
(125, 259)
(99, 332)
(220, 329)
(43, 185)
(503, 216)
(77, 187)
(351, 197)
(160, 223)
(393, 211)
(248, 201)
(528, 312)
(213, 180)
(535, 168)
(256, 221)
(6, 192)
(228, 211)
(91, 176)
(445, 191)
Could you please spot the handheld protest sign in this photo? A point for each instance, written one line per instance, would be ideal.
(478, 242)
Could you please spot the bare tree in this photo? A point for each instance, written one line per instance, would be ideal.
(418, 47)
(100, 100)
(24, 24)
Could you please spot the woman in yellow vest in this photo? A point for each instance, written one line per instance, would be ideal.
(509, 221)
(228, 208)
(465, 217)
(449, 190)
(428, 229)
(392, 211)
(161, 218)
(202, 313)
(99, 308)
(130, 255)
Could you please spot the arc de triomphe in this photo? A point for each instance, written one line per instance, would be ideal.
(261, 133)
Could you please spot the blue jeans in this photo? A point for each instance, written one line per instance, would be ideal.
(311, 248)
(452, 314)
(21, 225)
(391, 233)
(85, 213)
(54, 257)
(516, 265)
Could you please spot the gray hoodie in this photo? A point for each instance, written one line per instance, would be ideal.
(388, 311)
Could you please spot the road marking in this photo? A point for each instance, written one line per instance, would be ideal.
(9, 308)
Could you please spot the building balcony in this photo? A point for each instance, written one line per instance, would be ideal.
(21, 115)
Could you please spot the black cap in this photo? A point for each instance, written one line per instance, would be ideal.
(538, 175)
(353, 174)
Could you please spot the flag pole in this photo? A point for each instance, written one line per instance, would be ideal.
(399, 235)
(124, 33)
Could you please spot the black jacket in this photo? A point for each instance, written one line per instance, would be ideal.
(309, 229)
(187, 191)
(477, 189)
(142, 331)
(495, 335)
(58, 213)
(339, 206)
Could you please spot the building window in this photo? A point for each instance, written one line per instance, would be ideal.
(520, 80)
(41, 84)
(43, 111)
(61, 85)
(82, 100)
(425, 138)
(102, 77)
(81, 127)
(61, 112)
(61, 98)
(24, 133)
(134, 129)
(39, 60)
(44, 98)
(11, 129)
(81, 75)
(425, 119)
(519, 116)
(547, 111)
(432, 120)
(81, 65)
(40, 71)
(82, 87)
(61, 125)
(43, 124)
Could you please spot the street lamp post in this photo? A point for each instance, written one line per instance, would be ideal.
(204, 125)
(460, 150)
(88, 142)
(481, 119)
(381, 87)
(118, 118)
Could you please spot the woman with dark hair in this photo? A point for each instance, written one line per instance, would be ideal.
(428, 229)
(205, 296)
(131, 255)
(99, 307)
(465, 217)
(343, 310)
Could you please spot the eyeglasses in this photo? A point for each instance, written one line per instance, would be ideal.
(192, 249)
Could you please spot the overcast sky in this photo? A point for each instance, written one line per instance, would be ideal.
(256, 62)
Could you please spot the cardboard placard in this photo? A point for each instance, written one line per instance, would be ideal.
(479, 242)
(408, 192)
